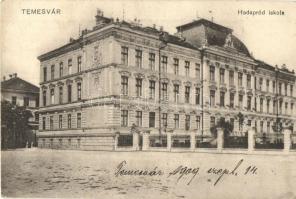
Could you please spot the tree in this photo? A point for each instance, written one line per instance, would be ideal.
(226, 125)
(14, 125)
(241, 119)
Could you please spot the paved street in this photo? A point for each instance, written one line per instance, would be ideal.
(55, 173)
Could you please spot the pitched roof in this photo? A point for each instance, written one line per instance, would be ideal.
(206, 23)
(19, 84)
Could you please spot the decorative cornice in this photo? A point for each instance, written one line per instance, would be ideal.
(139, 75)
(125, 73)
(176, 81)
(152, 77)
(187, 83)
(60, 83)
(69, 81)
(78, 79)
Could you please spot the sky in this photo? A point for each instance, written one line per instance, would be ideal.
(271, 38)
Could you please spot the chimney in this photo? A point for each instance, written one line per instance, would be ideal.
(100, 19)
(154, 26)
(161, 28)
(4, 78)
(10, 76)
(15, 75)
(71, 40)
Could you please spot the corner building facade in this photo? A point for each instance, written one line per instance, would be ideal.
(121, 75)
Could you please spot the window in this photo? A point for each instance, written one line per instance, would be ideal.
(13, 100)
(255, 103)
(139, 58)
(292, 108)
(124, 85)
(286, 108)
(164, 89)
(138, 87)
(260, 84)
(222, 99)
(187, 94)
(52, 96)
(212, 98)
(151, 119)
(291, 90)
(240, 79)
(286, 89)
(274, 107)
(44, 74)
(187, 122)
(267, 85)
(240, 101)
(261, 126)
(197, 71)
(151, 89)
(280, 88)
(44, 97)
(79, 64)
(222, 72)
(69, 93)
(164, 63)
(212, 122)
(232, 122)
(78, 120)
(187, 68)
(231, 104)
(52, 72)
(69, 66)
(69, 121)
(268, 127)
(249, 122)
(61, 69)
(139, 118)
(273, 86)
(60, 121)
(164, 120)
(79, 91)
(96, 53)
(231, 78)
(212, 73)
(26, 101)
(124, 55)
(255, 82)
(51, 122)
(249, 102)
(197, 96)
(43, 123)
(248, 81)
(124, 117)
(176, 93)
(261, 105)
(152, 61)
(176, 66)
(197, 122)
(267, 105)
(176, 121)
(60, 95)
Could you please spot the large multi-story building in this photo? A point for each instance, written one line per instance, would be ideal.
(121, 75)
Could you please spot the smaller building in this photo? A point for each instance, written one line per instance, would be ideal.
(22, 94)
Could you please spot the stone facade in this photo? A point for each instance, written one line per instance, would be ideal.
(107, 80)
